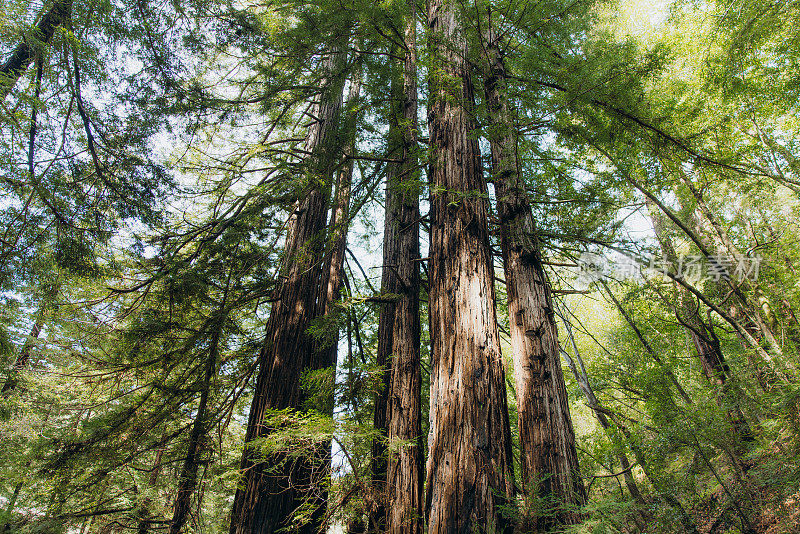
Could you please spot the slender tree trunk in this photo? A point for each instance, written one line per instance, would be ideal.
(147, 521)
(752, 330)
(12, 502)
(399, 323)
(709, 352)
(340, 218)
(24, 357)
(719, 240)
(273, 488)
(603, 414)
(22, 56)
(653, 354)
(591, 398)
(548, 457)
(25, 354)
(333, 275)
(469, 467)
(187, 481)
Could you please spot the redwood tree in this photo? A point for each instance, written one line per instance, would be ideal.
(273, 488)
(399, 323)
(24, 53)
(548, 459)
(469, 467)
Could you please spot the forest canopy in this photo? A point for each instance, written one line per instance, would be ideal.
(399, 266)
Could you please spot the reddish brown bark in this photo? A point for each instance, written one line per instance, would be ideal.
(273, 488)
(548, 458)
(398, 409)
(469, 467)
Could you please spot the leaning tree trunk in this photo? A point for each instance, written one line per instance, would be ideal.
(399, 323)
(603, 414)
(709, 352)
(272, 488)
(719, 240)
(469, 468)
(187, 481)
(45, 308)
(548, 458)
(22, 56)
(25, 353)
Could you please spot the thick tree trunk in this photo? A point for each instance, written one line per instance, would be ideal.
(399, 324)
(469, 468)
(273, 488)
(23, 54)
(548, 457)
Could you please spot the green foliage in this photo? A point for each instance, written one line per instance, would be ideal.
(149, 170)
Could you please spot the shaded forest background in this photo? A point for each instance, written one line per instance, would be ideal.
(295, 248)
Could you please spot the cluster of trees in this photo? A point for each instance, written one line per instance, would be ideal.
(203, 331)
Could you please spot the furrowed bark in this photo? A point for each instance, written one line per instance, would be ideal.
(272, 488)
(399, 323)
(469, 467)
(26, 50)
(333, 274)
(548, 458)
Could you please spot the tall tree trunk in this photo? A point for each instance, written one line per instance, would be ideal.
(399, 324)
(23, 54)
(273, 488)
(188, 476)
(333, 275)
(548, 457)
(469, 467)
(12, 502)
